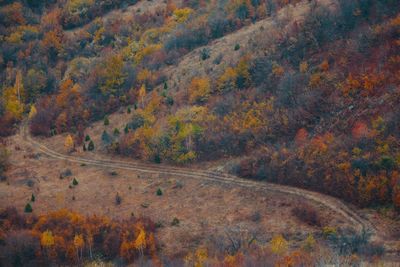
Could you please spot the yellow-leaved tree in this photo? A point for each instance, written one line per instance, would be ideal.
(140, 242)
(32, 112)
(181, 15)
(142, 95)
(198, 258)
(113, 75)
(79, 243)
(13, 97)
(47, 241)
(309, 243)
(69, 143)
(278, 244)
(201, 257)
(199, 90)
(227, 81)
(184, 129)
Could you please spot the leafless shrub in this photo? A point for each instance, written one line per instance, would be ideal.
(307, 214)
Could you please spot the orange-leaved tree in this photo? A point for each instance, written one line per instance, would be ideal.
(199, 90)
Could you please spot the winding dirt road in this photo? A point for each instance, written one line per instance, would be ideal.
(331, 203)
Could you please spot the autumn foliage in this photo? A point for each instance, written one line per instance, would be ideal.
(65, 237)
(310, 103)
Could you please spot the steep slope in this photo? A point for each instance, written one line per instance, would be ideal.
(257, 39)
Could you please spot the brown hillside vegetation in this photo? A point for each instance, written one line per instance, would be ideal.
(247, 120)
(225, 210)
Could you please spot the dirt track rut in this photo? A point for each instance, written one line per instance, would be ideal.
(335, 205)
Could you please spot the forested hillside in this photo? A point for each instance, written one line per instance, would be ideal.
(119, 121)
(311, 100)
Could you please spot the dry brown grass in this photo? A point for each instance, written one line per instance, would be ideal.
(204, 209)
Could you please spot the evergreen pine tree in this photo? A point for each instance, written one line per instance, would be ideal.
(28, 208)
(106, 121)
(159, 192)
(91, 146)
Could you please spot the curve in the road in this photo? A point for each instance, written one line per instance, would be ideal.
(332, 203)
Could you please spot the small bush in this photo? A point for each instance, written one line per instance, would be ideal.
(30, 183)
(28, 208)
(218, 59)
(118, 199)
(159, 192)
(328, 232)
(136, 122)
(129, 110)
(175, 222)
(75, 182)
(66, 173)
(309, 243)
(87, 138)
(33, 198)
(106, 138)
(116, 132)
(205, 53)
(256, 216)
(237, 47)
(178, 185)
(169, 100)
(307, 214)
